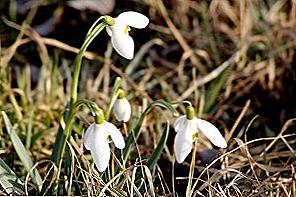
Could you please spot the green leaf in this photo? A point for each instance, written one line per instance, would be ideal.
(9, 181)
(60, 138)
(62, 135)
(135, 132)
(161, 144)
(22, 152)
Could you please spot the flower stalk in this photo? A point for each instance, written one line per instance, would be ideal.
(78, 59)
(191, 171)
(118, 29)
(70, 112)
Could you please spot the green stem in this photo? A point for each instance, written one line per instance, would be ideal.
(94, 109)
(191, 172)
(113, 97)
(94, 31)
(181, 102)
(78, 59)
(94, 25)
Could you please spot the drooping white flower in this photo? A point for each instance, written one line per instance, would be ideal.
(187, 128)
(96, 140)
(118, 29)
(122, 108)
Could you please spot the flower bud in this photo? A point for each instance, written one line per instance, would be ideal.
(122, 108)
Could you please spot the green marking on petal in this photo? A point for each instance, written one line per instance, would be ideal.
(109, 20)
(190, 112)
(127, 29)
(195, 136)
(121, 94)
(109, 139)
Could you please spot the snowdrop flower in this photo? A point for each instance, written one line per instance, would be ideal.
(118, 29)
(187, 128)
(96, 140)
(122, 108)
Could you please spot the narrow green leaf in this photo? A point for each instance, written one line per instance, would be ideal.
(161, 144)
(29, 131)
(9, 181)
(60, 138)
(69, 115)
(135, 132)
(22, 152)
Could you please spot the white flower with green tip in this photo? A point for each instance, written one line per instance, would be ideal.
(118, 29)
(122, 108)
(96, 140)
(187, 128)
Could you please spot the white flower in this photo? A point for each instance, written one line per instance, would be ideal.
(122, 109)
(118, 29)
(96, 140)
(187, 130)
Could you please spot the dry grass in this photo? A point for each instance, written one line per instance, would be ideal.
(234, 60)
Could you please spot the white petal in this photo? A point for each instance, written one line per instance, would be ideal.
(89, 135)
(192, 126)
(100, 152)
(211, 132)
(119, 27)
(99, 148)
(122, 42)
(115, 134)
(133, 19)
(122, 109)
(183, 143)
(109, 30)
(179, 123)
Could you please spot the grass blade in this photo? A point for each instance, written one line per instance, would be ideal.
(22, 152)
(9, 181)
(162, 142)
(135, 132)
(150, 181)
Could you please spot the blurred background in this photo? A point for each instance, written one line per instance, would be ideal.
(182, 36)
